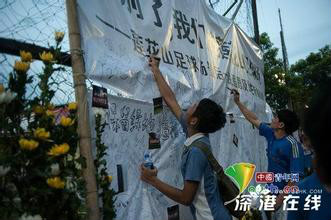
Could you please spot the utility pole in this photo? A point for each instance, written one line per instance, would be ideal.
(255, 23)
(285, 57)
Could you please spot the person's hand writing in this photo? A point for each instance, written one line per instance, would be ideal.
(236, 95)
(154, 63)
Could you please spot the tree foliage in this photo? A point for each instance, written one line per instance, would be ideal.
(299, 82)
(308, 74)
(274, 75)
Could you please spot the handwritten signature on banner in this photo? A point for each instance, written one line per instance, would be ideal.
(124, 118)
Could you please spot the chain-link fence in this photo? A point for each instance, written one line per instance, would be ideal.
(35, 21)
(244, 17)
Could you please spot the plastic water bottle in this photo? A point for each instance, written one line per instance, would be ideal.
(148, 162)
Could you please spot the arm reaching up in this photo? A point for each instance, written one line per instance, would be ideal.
(250, 116)
(165, 90)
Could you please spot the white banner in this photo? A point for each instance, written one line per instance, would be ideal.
(127, 136)
(202, 53)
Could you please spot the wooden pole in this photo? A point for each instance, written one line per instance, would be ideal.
(84, 130)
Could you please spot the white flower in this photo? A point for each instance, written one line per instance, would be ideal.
(4, 170)
(78, 166)
(17, 200)
(70, 185)
(100, 111)
(69, 157)
(11, 187)
(77, 153)
(30, 217)
(7, 97)
(55, 169)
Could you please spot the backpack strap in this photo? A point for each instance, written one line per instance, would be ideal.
(210, 157)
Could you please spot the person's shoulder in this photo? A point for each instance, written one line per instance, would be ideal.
(293, 145)
(205, 139)
(309, 182)
(266, 130)
(196, 151)
(291, 140)
(264, 125)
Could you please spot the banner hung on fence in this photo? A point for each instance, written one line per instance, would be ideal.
(127, 134)
(202, 54)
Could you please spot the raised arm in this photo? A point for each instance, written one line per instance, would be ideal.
(165, 90)
(249, 115)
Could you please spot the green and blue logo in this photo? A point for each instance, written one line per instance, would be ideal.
(241, 174)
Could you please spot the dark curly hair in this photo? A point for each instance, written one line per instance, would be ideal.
(290, 120)
(211, 116)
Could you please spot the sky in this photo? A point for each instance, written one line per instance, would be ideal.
(306, 23)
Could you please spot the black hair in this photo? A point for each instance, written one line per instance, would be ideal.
(290, 120)
(211, 116)
(317, 126)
